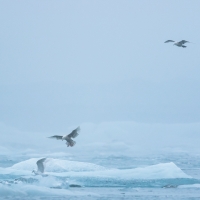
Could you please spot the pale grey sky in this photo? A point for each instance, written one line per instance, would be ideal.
(63, 63)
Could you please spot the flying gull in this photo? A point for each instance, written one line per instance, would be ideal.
(68, 138)
(40, 167)
(178, 44)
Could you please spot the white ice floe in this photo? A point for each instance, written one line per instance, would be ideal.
(65, 168)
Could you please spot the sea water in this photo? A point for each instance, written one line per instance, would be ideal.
(174, 175)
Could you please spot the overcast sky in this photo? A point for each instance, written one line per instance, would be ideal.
(63, 63)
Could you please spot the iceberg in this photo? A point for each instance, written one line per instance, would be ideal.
(66, 168)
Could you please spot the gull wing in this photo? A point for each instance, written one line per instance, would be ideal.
(183, 42)
(40, 165)
(58, 137)
(74, 133)
(169, 41)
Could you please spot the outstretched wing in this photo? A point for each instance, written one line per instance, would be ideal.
(58, 137)
(40, 165)
(169, 41)
(183, 42)
(74, 133)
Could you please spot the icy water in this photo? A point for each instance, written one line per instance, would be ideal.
(156, 176)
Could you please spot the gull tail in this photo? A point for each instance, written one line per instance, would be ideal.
(70, 143)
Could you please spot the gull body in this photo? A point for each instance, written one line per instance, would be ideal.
(68, 138)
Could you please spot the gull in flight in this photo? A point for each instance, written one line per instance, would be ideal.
(68, 138)
(40, 167)
(178, 44)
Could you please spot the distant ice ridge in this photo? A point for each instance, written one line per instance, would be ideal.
(65, 168)
(106, 138)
